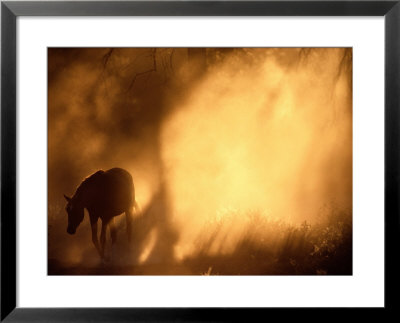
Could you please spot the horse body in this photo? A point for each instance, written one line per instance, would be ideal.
(105, 194)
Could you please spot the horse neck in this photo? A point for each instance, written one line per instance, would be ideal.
(81, 196)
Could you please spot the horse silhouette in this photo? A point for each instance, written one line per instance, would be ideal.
(105, 195)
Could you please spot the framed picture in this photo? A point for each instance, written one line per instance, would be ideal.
(198, 161)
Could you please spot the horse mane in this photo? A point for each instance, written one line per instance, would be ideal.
(88, 181)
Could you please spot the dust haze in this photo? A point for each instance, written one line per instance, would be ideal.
(241, 157)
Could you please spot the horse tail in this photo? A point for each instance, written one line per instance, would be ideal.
(129, 218)
(136, 207)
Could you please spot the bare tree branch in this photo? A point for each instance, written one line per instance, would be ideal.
(345, 63)
(153, 69)
(106, 57)
(170, 58)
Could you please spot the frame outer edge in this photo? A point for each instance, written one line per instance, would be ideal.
(202, 8)
(8, 161)
(392, 153)
(8, 158)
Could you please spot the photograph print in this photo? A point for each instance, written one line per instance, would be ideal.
(200, 161)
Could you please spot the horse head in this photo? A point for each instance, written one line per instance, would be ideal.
(75, 214)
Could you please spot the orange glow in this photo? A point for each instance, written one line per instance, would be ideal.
(267, 137)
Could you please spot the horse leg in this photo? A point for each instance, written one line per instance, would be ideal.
(103, 236)
(128, 214)
(113, 231)
(93, 223)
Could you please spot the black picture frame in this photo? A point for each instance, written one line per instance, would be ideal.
(10, 10)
